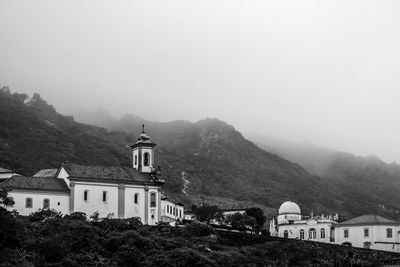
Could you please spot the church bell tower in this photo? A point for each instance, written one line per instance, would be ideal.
(143, 153)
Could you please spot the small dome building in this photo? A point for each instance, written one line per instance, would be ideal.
(289, 212)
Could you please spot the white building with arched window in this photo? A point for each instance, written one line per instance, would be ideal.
(290, 224)
(110, 191)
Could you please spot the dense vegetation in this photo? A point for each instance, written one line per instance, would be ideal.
(46, 238)
(365, 182)
(218, 162)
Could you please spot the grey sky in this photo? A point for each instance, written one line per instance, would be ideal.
(322, 71)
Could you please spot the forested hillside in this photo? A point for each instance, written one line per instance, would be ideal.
(367, 179)
(211, 156)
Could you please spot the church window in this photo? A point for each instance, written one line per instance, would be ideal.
(285, 234)
(86, 195)
(146, 159)
(28, 203)
(322, 233)
(346, 233)
(301, 234)
(366, 232)
(46, 203)
(180, 213)
(135, 160)
(58, 203)
(312, 234)
(167, 208)
(136, 198)
(153, 200)
(389, 233)
(104, 196)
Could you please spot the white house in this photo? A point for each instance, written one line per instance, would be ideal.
(171, 210)
(289, 224)
(116, 191)
(369, 231)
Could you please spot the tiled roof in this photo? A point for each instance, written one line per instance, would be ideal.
(118, 173)
(35, 183)
(369, 219)
(2, 170)
(170, 199)
(46, 173)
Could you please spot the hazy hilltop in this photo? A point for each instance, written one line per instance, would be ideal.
(364, 177)
(210, 157)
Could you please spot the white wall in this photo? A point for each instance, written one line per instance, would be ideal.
(7, 175)
(377, 236)
(284, 218)
(64, 175)
(170, 216)
(58, 201)
(132, 209)
(294, 231)
(95, 199)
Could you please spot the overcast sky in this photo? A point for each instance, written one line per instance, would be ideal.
(323, 71)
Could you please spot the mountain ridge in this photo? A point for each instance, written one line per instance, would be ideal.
(219, 163)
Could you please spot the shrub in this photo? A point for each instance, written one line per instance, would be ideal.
(43, 214)
(81, 216)
(198, 229)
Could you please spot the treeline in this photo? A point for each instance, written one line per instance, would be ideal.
(48, 238)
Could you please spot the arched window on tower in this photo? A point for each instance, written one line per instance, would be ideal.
(136, 198)
(146, 159)
(135, 160)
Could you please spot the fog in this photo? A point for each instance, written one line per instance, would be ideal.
(322, 71)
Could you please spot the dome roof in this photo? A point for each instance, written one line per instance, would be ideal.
(289, 208)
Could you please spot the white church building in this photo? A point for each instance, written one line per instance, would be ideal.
(111, 191)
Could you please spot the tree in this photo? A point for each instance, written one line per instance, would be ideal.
(206, 213)
(5, 200)
(8, 224)
(242, 221)
(258, 215)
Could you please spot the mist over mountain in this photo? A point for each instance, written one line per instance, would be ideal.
(208, 158)
(366, 177)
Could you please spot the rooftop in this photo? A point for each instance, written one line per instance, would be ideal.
(46, 173)
(171, 199)
(118, 173)
(35, 183)
(368, 219)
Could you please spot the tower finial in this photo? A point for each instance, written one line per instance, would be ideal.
(142, 128)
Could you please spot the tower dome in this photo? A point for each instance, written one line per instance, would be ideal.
(289, 207)
(289, 212)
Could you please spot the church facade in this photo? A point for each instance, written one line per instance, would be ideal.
(110, 191)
